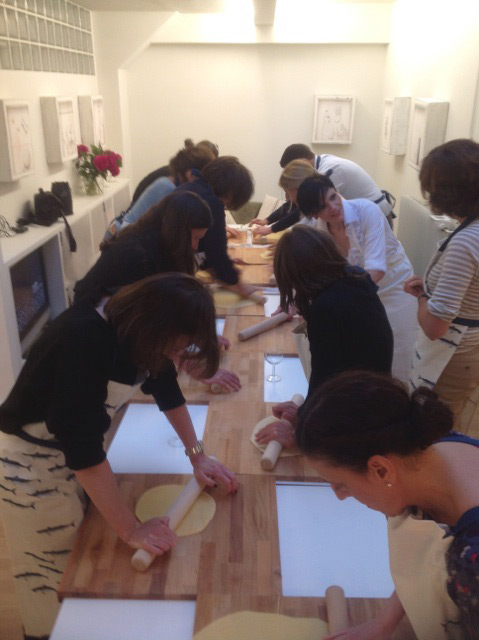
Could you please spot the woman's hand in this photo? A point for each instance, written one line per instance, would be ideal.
(259, 221)
(211, 472)
(292, 311)
(262, 230)
(278, 431)
(228, 380)
(414, 286)
(223, 343)
(234, 233)
(154, 536)
(286, 411)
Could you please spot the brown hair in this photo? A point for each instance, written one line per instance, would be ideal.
(358, 414)
(449, 178)
(150, 316)
(172, 221)
(192, 156)
(305, 262)
(210, 145)
(229, 179)
(312, 192)
(295, 152)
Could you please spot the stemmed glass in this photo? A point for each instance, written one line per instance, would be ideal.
(273, 359)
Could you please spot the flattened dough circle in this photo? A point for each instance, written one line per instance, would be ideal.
(267, 626)
(156, 501)
(285, 453)
(229, 300)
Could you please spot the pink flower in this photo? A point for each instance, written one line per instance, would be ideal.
(102, 163)
(81, 148)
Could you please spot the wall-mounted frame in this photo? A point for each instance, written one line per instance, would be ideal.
(395, 125)
(16, 158)
(333, 119)
(428, 128)
(92, 120)
(58, 117)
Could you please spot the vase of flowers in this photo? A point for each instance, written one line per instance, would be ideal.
(95, 165)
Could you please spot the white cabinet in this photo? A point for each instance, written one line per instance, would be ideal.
(61, 267)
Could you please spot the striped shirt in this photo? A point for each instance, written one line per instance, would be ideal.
(453, 281)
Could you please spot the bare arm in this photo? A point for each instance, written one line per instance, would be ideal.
(432, 326)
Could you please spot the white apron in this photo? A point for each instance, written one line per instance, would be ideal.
(417, 557)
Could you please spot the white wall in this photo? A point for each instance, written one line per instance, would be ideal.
(252, 100)
(434, 53)
(30, 86)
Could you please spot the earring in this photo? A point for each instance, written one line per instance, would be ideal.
(388, 485)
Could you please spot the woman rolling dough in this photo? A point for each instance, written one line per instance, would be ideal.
(89, 362)
(347, 326)
(395, 453)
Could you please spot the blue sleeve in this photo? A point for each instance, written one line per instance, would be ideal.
(463, 583)
(154, 194)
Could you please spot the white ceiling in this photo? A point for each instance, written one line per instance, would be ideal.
(183, 6)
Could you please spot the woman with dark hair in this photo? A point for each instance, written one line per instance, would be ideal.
(224, 182)
(87, 364)
(395, 453)
(346, 324)
(164, 239)
(160, 183)
(447, 352)
(365, 238)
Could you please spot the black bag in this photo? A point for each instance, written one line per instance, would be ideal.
(48, 208)
(62, 191)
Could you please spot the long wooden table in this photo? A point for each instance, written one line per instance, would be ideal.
(234, 564)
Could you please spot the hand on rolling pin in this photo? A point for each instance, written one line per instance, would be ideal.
(234, 233)
(292, 311)
(287, 410)
(155, 536)
(278, 431)
(414, 286)
(227, 380)
(213, 473)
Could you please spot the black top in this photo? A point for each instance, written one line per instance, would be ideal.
(348, 329)
(162, 172)
(213, 244)
(127, 259)
(64, 383)
(283, 217)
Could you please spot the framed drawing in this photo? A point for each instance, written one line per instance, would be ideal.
(333, 119)
(16, 159)
(428, 128)
(395, 126)
(58, 117)
(92, 120)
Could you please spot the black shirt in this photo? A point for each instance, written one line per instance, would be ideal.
(283, 217)
(64, 383)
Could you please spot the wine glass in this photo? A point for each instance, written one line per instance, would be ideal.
(273, 359)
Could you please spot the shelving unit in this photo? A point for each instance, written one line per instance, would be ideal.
(63, 268)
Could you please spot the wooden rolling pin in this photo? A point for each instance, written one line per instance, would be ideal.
(274, 448)
(263, 326)
(257, 297)
(337, 609)
(142, 559)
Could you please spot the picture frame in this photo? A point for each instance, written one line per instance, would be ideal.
(395, 125)
(333, 119)
(59, 128)
(428, 129)
(17, 160)
(92, 120)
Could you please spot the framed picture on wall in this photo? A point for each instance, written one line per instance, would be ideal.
(92, 120)
(395, 125)
(58, 117)
(428, 128)
(16, 159)
(333, 119)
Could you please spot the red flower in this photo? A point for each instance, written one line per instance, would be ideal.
(81, 148)
(102, 163)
